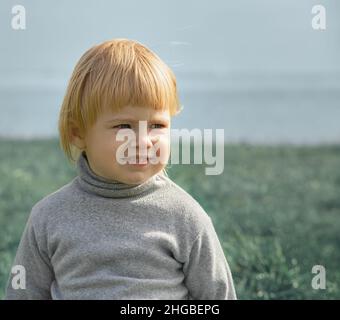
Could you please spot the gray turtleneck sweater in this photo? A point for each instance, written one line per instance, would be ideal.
(98, 239)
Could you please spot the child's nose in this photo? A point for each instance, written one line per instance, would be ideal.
(144, 140)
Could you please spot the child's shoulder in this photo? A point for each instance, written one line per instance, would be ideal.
(51, 202)
(183, 203)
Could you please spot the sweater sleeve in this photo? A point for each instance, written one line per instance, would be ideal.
(207, 273)
(38, 272)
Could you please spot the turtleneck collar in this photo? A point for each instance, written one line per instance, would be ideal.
(92, 183)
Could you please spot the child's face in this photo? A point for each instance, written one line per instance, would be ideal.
(101, 145)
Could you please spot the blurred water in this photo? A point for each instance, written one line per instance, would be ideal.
(265, 112)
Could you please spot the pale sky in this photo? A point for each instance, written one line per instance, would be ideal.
(242, 35)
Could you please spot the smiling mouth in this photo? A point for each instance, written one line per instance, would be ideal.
(138, 161)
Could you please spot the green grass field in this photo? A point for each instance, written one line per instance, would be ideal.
(276, 210)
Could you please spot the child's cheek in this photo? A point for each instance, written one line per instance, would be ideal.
(163, 150)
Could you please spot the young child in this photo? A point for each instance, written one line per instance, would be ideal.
(120, 230)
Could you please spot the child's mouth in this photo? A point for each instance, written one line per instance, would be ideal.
(138, 161)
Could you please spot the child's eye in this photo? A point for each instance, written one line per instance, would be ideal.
(160, 125)
(122, 126)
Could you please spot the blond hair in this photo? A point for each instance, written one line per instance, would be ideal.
(112, 75)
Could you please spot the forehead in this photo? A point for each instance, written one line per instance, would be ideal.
(135, 113)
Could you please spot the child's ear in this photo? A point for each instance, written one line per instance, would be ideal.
(76, 138)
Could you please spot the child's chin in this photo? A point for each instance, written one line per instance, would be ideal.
(137, 178)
